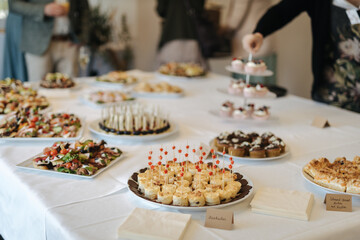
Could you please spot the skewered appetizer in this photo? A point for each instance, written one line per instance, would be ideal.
(182, 69)
(251, 145)
(162, 87)
(81, 158)
(57, 80)
(14, 95)
(133, 119)
(103, 97)
(27, 122)
(186, 183)
(117, 77)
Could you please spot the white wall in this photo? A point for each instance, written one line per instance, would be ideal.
(293, 43)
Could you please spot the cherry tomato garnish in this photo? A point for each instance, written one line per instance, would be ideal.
(64, 151)
(53, 152)
(68, 165)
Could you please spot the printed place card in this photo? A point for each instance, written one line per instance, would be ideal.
(320, 122)
(222, 219)
(338, 202)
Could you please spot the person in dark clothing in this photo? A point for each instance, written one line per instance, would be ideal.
(335, 29)
(178, 40)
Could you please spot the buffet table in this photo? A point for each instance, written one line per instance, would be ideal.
(42, 206)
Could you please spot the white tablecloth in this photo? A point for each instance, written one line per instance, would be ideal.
(43, 206)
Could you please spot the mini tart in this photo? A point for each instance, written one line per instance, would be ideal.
(249, 91)
(255, 66)
(272, 150)
(237, 150)
(238, 64)
(257, 151)
(246, 146)
(236, 87)
(261, 91)
(223, 145)
(240, 113)
(226, 109)
(261, 113)
(253, 135)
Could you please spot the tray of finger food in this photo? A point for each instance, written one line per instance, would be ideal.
(85, 159)
(133, 122)
(253, 67)
(105, 98)
(157, 90)
(180, 179)
(250, 146)
(116, 78)
(29, 125)
(14, 95)
(57, 81)
(177, 70)
(339, 176)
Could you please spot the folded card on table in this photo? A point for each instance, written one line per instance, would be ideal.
(148, 224)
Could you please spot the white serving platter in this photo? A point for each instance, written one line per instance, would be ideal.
(178, 78)
(95, 129)
(47, 139)
(28, 165)
(309, 179)
(86, 100)
(287, 152)
(195, 209)
(266, 73)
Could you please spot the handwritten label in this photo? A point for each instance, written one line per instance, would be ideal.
(320, 122)
(338, 202)
(222, 219)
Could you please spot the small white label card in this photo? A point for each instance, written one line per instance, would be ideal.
(320, 122)
(353, 16)
(338, 202)
(217, 218)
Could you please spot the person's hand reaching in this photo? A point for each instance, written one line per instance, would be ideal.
(252, 42)
(55, 10)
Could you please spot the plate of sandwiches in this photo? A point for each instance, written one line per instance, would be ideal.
(82, 159)
(30, 125)
(339, 176)
(181, 71)
(116, 79)
(105, 98)
(186, 192)
(250, 146)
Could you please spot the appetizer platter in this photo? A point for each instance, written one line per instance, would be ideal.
(249, 67)
(180, 179)
(105, 98)
(157, 90)
(85, 159)
(30, 125)
(116, 79)
(14, 95)
(178, 71)
(133, 121)
(229, 111)
(57, 81)
(252, 146)
(241, 89)
(340, 176)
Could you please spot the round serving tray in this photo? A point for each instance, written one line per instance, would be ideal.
(247, 188)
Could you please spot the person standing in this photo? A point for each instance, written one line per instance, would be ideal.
(178, 41)
(14, 65)
(336, 46)
(51, 32)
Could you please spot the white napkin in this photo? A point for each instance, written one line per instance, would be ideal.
(283, 203)
(148, 224)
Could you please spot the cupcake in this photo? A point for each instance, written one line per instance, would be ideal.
(240, 113)
(250, 108)
(261, 91)
(236, 150)
(272, 150)
(238, 64)
(256, 151)
(255, 67)
(236, 87)
(227, 109)
(261, 113)
(249, 91)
